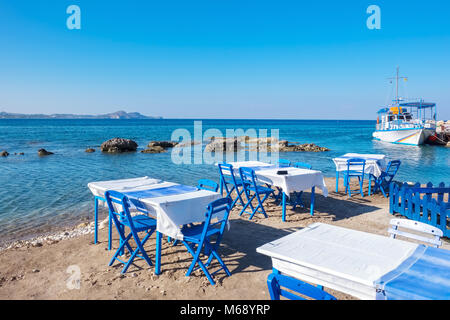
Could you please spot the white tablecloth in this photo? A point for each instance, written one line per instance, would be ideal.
(171, 211)
(296, 180)
(375, 163)
(342, 259)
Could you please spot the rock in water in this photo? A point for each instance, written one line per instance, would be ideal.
(155, 149)
(90, 150)
(118, 145)
(163, 144)
(43, 152)
(4, 154)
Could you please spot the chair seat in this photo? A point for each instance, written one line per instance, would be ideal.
(239, 182)
(194, 234)
(261, 189)
(141, 222)
(352, 173)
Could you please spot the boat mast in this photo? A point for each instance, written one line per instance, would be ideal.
(397, 98)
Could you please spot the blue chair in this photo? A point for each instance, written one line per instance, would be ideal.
(384, 180)
(206, 184)
(200, 236)
(252, 190)
(302, 165)
(230, 183)
(355, 169)
(283, 163)
(122, 221)
(299, 289)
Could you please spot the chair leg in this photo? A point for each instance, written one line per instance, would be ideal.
(283, 216)
(313, 199)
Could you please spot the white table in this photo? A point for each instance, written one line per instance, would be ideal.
(296, 180)
(375, 164)
(171, 207)
(342, 259)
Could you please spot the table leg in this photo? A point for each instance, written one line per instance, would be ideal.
(313, 199)
(337, 181)
(109, 231)
(370, 184)
(96, 221)
(158, 253)
(284, 207)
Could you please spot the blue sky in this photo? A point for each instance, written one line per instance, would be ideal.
(221, 59)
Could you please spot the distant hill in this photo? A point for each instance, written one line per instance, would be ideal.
(114, 115)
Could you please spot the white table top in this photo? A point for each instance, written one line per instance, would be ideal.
(297, 179)
(171, 211)
(375, 163)
(339, 258)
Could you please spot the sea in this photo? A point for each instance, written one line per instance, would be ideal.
(41, 194)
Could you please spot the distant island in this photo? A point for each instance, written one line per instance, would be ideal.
(114, 115)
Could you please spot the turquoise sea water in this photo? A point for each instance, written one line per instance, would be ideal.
(39, 193)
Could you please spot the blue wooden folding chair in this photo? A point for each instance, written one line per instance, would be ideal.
(384, 180)
(201, 236)
(283, 163)
(206, 184)
(355, 169)
(252, 190)
(123, 220)
(299, 290)
(230, 183)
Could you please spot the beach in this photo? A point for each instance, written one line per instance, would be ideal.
(42, 271)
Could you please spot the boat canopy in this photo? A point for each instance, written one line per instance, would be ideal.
(396, 108)
(420, 105)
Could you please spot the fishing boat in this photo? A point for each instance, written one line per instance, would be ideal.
(408, 122)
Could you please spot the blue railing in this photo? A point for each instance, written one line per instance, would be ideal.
(428, 204)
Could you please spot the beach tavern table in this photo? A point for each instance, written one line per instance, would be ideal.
(296, 179)
(364, 265)
(171, 204)
(375, 165)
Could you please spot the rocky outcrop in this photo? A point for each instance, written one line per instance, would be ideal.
(118, 145)
(284, 146)
(43, 152)
(90, 150)
(159, 146)
(154, 149)
(4, 154)
(224, 145)
(163, 144)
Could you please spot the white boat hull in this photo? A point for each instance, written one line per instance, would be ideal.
(413, 137)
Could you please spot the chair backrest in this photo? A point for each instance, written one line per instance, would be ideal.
(119, 207)
(226, 169)
(302, 165)
(206, 184)
(299, 290)
(222, 205)
(417, 226)
(284, 163)
(248, 176)
(356, 165)
(391, 170)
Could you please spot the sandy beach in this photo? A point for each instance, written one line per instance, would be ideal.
(42, 270)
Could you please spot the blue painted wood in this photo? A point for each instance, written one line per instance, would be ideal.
(253, 190)
(199, 236)
(123, 220)
(430, 205)
(353, 172)
(299, 290)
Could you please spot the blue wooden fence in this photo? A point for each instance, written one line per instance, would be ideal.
(428, 204)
